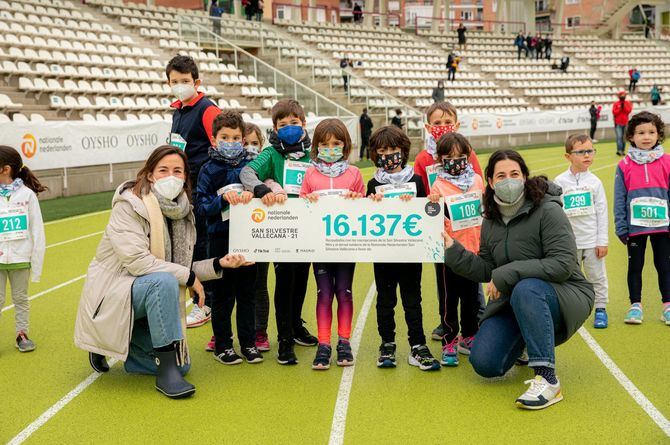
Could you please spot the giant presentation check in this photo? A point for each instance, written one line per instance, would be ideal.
(336, 230)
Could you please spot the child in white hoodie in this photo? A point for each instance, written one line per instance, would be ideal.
(22, 240)
(585, 204)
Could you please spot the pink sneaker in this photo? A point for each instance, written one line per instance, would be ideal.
(465, 345)
(211, 344)
(262, 342)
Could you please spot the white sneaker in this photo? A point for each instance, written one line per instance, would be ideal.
(541, 394)
(198, 316)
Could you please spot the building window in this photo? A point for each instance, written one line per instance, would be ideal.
(572, 22)
(571, 2)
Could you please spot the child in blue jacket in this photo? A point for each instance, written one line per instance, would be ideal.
(218, 188)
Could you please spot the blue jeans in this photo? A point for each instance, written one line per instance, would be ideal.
(620, 142)
(532, 319)
(155, 300)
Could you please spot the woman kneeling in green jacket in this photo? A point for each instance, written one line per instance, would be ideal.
(538, 296)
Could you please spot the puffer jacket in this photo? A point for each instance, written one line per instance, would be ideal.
(537, 243)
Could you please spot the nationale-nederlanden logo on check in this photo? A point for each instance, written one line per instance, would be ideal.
(258, 215)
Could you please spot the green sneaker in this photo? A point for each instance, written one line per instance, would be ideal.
(666, 314)
(634, 315)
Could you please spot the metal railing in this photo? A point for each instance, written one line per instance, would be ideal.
(445, 25)
(284, 84)
(335, 77)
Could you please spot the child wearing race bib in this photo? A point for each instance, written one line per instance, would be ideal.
(285, 161)
(641, 192)
(254, 140)
(585, 204)
(389, 150)
(22, 240)
(218, 188)
(331, 174)
(462, 189)
(441, 118)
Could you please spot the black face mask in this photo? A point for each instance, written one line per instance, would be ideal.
(390, 162)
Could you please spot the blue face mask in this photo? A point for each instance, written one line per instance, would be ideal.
(230, 150)
(290, 134)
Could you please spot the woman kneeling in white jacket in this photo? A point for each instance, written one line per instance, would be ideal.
(133, 303)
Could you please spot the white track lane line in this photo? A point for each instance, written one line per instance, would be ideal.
(51, 289)
(74, 218)
(56, 407)
(72, 240)
(624, 381)
(339, 424)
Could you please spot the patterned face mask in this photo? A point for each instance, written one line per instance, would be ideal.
(390, 162)
(455, 166)
(437, 131)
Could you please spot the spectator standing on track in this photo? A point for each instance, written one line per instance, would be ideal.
(594, 112)
(438, 92)
(461, 36)
(366, 131)
(621, 109)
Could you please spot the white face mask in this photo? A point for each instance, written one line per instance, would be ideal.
(169, 187)
(183, 91)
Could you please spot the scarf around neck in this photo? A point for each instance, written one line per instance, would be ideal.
(401, 177)
(509, 210)
(295, 151)
(7, 189)
(217, 156)
(641, 157)
(463, 181)
(431, 146)
(175, 216)
(331, 170)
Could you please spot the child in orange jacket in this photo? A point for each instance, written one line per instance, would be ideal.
(462, 189)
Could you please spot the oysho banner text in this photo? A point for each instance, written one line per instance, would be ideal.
(67, 144)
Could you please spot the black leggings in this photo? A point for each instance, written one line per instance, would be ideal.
(455, 289)
(660, 244)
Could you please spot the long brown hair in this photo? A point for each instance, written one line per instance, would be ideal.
(10, 156)
(141, 186)
(535, 188)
